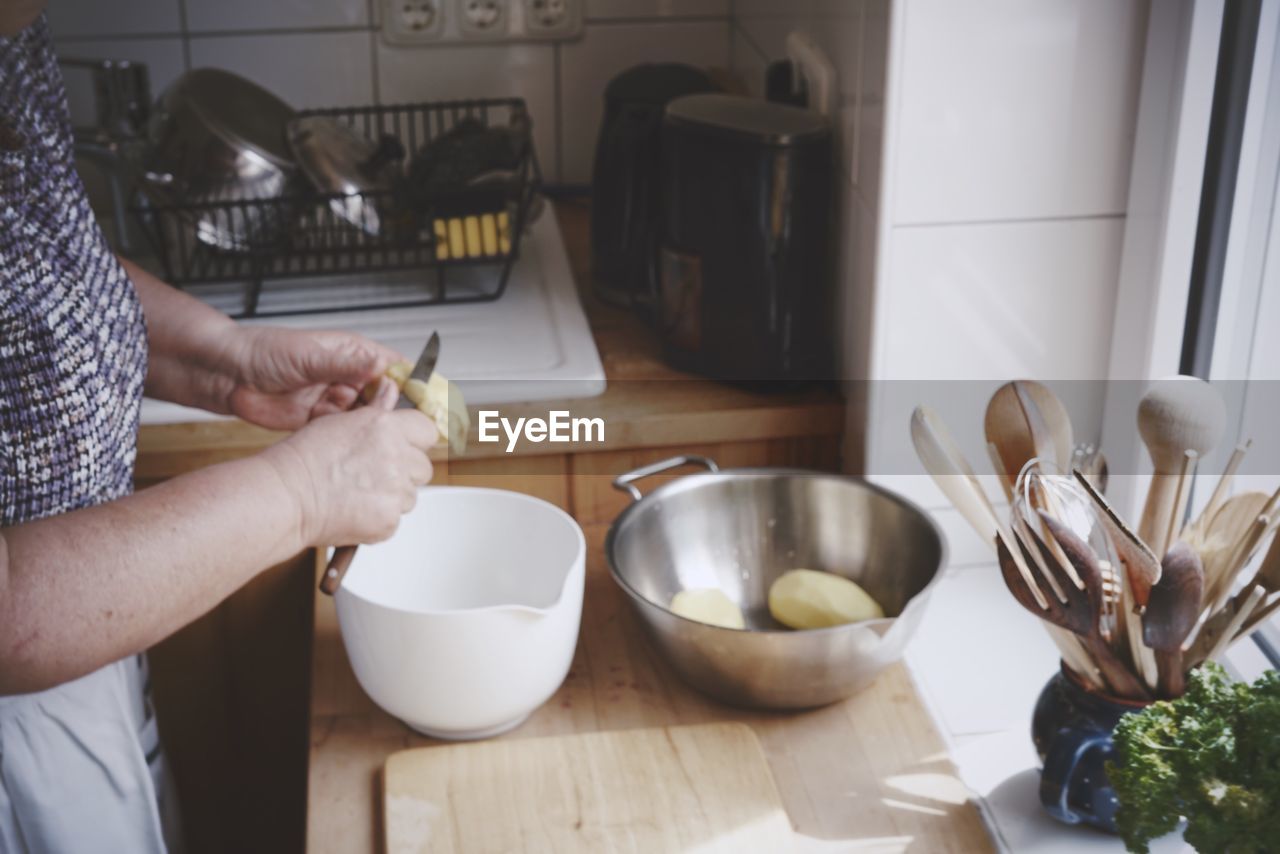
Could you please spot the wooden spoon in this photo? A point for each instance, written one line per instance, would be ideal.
(1195, 532)
(1025, 419)
(1176, 415)
(1172, 613)
(1268, 575)
(1079, 614)
(1223, 536)
(952, 473)
(1212, 631)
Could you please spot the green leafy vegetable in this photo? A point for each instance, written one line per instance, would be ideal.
(1212, 757)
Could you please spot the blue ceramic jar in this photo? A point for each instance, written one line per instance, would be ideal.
(1071, 729)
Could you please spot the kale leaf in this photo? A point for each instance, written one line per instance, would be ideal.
(1212, 757)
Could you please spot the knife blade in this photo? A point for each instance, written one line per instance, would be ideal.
(342, 555)
(425, 364)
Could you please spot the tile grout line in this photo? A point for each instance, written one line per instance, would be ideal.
(374, 83)
(732, 28)
(166, 35)
(186, 32)
(746, 36)
(279, 31)
(1030, 220)
(663, 19)
(557, 100)
(186, 39)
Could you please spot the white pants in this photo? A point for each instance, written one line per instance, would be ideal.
(81, 768)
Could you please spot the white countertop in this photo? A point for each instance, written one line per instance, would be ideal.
(979, 662)
(531, 344)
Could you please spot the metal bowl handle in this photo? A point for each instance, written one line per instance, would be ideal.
(626, 482)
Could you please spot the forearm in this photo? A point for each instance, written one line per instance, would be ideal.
(191, 358)
(81, 590)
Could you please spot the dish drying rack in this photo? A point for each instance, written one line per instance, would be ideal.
(461, 230)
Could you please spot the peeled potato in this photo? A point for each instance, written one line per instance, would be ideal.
(439, 400)
(808, 599)
(708, 605)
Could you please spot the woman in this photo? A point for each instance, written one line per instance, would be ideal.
(90, 575)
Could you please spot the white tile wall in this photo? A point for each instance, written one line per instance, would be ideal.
(163, 57)
(1012, 129)
(329, 52)
(96, 18)
(1011, 123)
(996, 301)
(588, 64)
(305, 69)
(407, 74)
(215, 15)
(1013, 109)
(601, 9)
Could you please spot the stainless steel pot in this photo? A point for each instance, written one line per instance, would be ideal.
(219, 139)
(739, 530)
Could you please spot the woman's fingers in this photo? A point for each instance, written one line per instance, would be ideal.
(418, 429)
(386, 396)
(408, 500)
(419, 469)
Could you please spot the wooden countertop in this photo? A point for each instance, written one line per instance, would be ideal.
(868, 773)
(646, 404)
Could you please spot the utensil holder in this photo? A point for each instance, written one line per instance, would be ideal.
(1071, 728)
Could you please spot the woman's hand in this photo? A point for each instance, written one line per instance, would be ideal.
(356, 473)
(273, 377)
(283, 378)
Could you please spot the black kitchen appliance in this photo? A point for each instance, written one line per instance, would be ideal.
(745, 262)
(624, 184)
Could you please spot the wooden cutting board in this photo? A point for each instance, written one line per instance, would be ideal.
(682, 788)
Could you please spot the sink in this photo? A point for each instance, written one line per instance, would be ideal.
(531, 344)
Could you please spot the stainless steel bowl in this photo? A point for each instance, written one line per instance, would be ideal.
(739, 530)
(218, 139)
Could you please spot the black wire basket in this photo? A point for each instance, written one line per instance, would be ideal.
(303, 233)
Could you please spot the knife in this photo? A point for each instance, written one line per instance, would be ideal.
(426, 364)
(342, 555)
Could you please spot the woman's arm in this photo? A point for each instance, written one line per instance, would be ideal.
(276, 378)
(191, 345)
(81, 590)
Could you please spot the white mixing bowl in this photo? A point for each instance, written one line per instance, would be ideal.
(465, 621)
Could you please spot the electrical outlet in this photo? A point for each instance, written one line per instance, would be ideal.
(483, 19)
(552, 19)
(412, 21)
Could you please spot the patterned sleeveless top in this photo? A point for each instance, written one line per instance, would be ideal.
(73, 346)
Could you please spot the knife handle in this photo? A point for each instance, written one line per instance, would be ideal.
(339, 562)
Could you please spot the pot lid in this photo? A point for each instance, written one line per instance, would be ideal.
(777, 124)
(337, 159)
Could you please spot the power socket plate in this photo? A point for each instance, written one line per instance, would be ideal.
(552, 19)
(483, 20)
(412, 21)
(409, 22)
